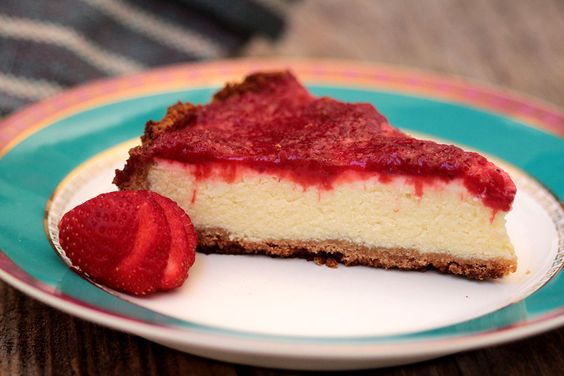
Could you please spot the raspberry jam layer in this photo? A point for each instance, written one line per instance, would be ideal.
(272, 124)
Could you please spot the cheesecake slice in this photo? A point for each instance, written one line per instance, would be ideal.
(267, 168)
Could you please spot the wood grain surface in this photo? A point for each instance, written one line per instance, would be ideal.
(513, 44)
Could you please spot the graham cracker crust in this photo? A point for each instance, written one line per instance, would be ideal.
(332, 252)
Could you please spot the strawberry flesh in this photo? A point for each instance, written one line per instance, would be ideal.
(183, 243)
(99, 233)
(140, 272)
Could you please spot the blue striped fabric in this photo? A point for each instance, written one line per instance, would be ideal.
(48, 46)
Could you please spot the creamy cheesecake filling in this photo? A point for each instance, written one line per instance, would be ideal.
(433, 218)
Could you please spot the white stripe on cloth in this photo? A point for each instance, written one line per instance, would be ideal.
(158, 29)
(25, 88)
(46, 32)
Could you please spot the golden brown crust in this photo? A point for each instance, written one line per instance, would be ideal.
(252, 83)
(330, 252)
(177, 116)
(134, 174)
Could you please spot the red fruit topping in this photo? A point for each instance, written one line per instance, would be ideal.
(123, 240)
(270, 123)
(183, 244)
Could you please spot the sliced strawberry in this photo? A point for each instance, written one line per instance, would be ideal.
(120, 239)
(182, 251)
(141, 271)
(99, 233)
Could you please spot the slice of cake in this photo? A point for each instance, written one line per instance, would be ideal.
(267, 168)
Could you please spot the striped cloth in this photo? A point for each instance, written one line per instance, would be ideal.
(48, 46)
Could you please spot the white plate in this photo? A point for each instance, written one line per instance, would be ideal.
(298, 299)
(289, 313)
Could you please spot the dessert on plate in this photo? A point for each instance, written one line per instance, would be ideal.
(268, 168)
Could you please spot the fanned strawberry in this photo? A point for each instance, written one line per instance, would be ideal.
(141, 271)
(182, 247)
(120, 239)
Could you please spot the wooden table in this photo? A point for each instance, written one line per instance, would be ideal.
(517, 45)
